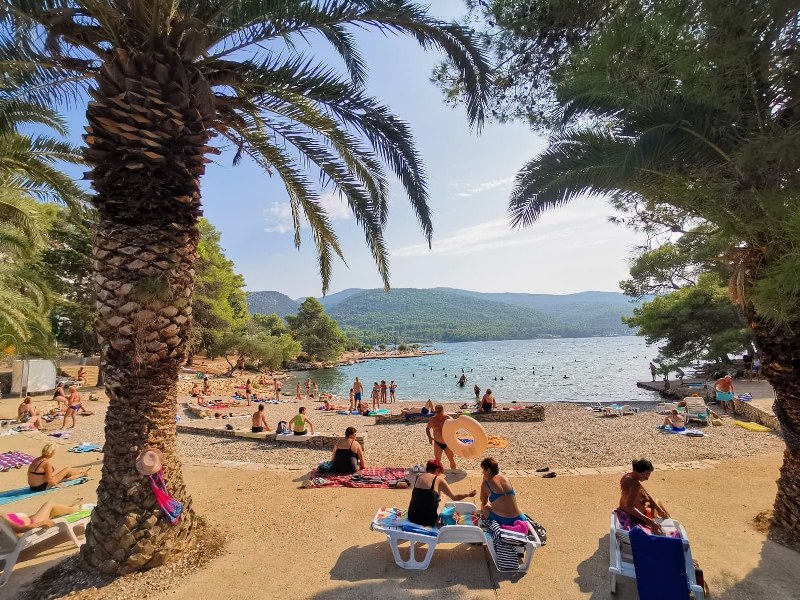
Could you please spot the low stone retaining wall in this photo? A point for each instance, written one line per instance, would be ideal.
(318, 441)
(755, 414)
(529, 414)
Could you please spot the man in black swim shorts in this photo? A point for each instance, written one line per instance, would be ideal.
(434, 432)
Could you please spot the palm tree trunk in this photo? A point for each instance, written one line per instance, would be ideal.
(780, 363)
(146, 139)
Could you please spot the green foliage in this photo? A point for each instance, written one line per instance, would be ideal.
(265, 351)
(272, 324)
(267, 303)
(27, 174)
(317, 332)
(695, 322)
(287, 112)
(403, 348)
(220, 303)
(66, 268)
(689, 105)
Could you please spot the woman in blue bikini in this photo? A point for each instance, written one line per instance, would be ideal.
(498, 498)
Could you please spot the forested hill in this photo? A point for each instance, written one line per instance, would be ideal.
(267, 303)
(442, 314)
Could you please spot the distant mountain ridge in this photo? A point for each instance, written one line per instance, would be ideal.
(448, 314)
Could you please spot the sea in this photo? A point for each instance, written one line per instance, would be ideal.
(597, 369)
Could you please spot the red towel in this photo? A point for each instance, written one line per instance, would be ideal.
(387, 473)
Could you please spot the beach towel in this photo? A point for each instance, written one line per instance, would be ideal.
(26, 492)
(171, 508)
(685, 432)
(380, 411)
(85, 447)
(14, 460)
(371, 477)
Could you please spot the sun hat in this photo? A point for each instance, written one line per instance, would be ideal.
(149, 461)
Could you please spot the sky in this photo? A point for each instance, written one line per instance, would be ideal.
(470, 176)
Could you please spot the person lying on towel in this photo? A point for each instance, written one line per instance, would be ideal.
(348, 456)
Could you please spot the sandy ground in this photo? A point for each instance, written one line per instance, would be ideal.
(285, 541)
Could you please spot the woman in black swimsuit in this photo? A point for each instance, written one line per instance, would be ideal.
(42, 474)
(424, 506)
(348, 456)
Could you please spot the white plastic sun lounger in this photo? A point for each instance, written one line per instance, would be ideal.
(448, 534)
(12, 543)
(621, 560)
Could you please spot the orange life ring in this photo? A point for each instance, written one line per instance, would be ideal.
(476, 448)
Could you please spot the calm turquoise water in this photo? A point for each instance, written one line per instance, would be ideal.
(597, 369)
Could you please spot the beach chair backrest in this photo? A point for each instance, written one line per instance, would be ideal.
(660, 566)
(8, 538)
(696, 406)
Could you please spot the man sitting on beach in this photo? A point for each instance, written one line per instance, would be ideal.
(675, 421)
(260, 421)
(488, 402)
(724, 391)
(435, 424)
(636, 503)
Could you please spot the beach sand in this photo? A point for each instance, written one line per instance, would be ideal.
(283, 540)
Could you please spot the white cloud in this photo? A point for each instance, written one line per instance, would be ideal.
(499, 234)
(467, 190)
(278, 217)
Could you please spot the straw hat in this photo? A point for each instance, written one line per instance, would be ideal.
(149, 461)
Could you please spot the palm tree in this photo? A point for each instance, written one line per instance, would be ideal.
(730, 168)
(165, 77)
(28, 173)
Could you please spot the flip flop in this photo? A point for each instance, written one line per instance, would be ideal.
(548, 475)
(543, 470)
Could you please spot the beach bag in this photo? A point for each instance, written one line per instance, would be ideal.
(540, 531)
(325, 466)
(283, 427)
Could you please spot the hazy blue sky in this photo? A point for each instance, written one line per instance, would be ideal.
(469, 177)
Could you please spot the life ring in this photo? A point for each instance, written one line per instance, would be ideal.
(451, 426)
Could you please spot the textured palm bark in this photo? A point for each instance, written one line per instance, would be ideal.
(780, 359)
(146, 143)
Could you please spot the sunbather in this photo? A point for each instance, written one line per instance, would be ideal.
(413, 411)
(74, 405)
(426, 495)
(196, 390)
(675, 421)
(28, 413)
(300, 423)
(260, 421)
(42, 474)
(498, 497)
(636, 502)
(43, 517)
(348, 456)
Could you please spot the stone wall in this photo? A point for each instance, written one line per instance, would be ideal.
(318, 441)
(754, 413)
(529, 414)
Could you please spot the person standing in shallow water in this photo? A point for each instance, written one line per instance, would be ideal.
(653, 370)
(383, 388)
(477, 390)
(392, 389)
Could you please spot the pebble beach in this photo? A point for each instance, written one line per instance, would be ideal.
(571, 437)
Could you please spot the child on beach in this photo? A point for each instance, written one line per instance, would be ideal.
(299, 393)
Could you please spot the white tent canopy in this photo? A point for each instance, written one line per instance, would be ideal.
(33, 375)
